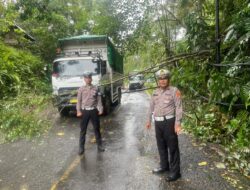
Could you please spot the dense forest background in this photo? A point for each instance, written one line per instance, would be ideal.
(149, 32)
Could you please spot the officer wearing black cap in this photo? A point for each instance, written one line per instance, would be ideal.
(89, 107)
(166, 108)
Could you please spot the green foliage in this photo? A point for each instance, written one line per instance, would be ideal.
(211, 124)
(224, 123)
(238, 35)
(20, 71)
(206, 122)
(7, 17)
(217, 98)
(23, 116)
(22, 77)
(198, 32)
(48, 21)
(245, 94)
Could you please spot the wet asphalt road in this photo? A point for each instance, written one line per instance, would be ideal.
(51, 161)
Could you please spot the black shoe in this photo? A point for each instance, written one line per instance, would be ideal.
(100, 148)
(81, 151)
(173, 177)
(159, 170)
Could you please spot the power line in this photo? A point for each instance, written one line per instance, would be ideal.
(230, 64)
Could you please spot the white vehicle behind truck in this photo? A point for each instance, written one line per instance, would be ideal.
(86, 53)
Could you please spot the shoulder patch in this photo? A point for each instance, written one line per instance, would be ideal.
(178, 93)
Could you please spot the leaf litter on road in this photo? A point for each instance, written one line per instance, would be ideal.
(204, 163)
(60, 134)
(220, 165)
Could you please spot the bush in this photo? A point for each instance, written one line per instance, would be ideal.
(210, 124)
(21, 117)
(23, 96)
(19, 71)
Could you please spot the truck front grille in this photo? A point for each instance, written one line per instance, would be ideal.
(67, 91)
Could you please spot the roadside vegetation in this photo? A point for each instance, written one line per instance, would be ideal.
(23, 96)
(217, 97)
(24, 116)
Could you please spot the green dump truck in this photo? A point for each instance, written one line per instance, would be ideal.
(86, 53)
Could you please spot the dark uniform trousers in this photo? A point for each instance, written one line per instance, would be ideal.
(93, 116)
(167, 143)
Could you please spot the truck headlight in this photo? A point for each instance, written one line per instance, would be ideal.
(55, 91)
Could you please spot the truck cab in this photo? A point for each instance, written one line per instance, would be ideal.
(77, 57)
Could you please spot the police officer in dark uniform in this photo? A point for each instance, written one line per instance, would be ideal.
(166, 108)
(89, 107)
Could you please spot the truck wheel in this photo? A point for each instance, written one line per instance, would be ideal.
(118, 101)
(119, 97)
(107, 105)
(64, 112)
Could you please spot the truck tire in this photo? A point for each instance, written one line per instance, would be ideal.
(119, 98)
(64, 112)
(107, 105)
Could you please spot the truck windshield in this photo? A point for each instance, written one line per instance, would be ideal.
(75, 67)
(136, 78)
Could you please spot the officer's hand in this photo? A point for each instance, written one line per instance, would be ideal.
(100, 113)
(148, 125)
(79, 114)
(177, 129)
